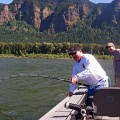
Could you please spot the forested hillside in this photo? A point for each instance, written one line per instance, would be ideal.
(74, 21)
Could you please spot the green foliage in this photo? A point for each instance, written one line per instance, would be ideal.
(23, 49)
(17, 31)
(48, 3)
(81, 32)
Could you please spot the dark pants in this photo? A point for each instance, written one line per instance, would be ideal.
(91, 92)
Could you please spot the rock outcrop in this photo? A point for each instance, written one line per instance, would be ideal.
(60, 15)
(6, 15)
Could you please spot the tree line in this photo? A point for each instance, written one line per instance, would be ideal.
(24, 48)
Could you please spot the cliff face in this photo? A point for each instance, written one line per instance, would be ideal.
(36, 19)
(46, 18)
(110, 15)
(67, 17)
(60, 15)
(116, 14)
(28, 12)
(6, 15)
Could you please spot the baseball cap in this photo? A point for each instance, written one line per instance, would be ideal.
(74, 49)
(110, 45)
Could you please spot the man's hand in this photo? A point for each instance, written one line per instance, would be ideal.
(73, 80)
(70, 94)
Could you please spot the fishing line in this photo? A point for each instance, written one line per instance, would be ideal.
(37, 75)
(32, 75)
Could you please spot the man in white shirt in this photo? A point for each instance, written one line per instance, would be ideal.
(87, 68)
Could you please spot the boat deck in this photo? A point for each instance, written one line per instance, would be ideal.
(59, 112)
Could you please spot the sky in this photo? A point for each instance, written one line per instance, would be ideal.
(95, 1)
(101, 1)
(6, 1)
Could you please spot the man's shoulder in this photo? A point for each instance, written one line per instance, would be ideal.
(88, 55)
(117, 50)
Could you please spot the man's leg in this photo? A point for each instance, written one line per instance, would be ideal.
(91, 92)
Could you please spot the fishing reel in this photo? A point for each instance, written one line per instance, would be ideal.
(83, 112)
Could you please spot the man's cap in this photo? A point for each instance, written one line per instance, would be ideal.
(74, 49)
(110, 45)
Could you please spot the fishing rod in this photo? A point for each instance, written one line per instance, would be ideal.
(42, 76)
(55, 78)
(61, 79)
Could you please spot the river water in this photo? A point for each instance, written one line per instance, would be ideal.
(27, 91)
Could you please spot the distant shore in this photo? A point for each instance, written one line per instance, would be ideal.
(50, 56)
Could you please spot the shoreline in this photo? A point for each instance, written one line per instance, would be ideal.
(51, 56)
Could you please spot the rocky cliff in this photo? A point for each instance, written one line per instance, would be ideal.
(6, 15)
(60, 15)
(110, 15)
